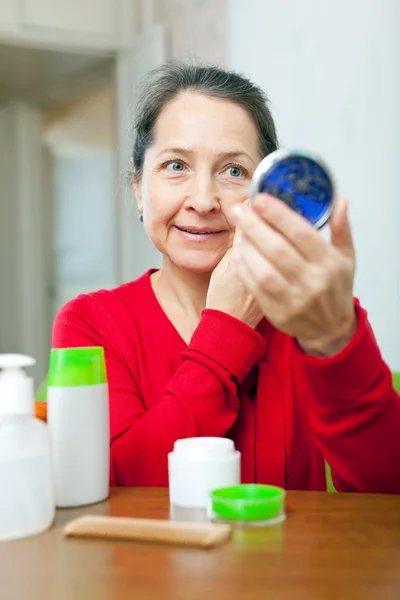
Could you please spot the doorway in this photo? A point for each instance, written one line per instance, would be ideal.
(80, 144)
(68, 221)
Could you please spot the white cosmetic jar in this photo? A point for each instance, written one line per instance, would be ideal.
(198, 465)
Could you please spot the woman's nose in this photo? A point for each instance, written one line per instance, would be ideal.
(203, 195)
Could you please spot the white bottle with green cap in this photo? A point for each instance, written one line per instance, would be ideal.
(78, 420)
(27, 491)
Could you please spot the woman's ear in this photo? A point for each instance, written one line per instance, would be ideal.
(137, 192)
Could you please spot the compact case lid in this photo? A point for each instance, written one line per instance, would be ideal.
(245, 503)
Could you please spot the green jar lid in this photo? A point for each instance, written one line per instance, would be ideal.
(257, 503)
(71, 367)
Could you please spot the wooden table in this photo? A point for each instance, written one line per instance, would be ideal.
(333, 546)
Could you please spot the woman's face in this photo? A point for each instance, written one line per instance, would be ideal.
(204, 154)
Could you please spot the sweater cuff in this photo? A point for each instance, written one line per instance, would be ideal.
(230, 342)
(346, 374)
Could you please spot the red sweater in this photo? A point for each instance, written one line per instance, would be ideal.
(285, 411)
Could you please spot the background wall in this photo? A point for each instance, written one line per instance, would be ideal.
(332, 72)
(10, 304)
(196, 28)
(80, 137)
(22, 299)
(88, 120)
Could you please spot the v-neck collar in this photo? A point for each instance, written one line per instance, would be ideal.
(164, 321)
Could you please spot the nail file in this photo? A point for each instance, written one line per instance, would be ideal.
(197, 535)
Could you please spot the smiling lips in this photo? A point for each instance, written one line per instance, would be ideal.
(198, 234)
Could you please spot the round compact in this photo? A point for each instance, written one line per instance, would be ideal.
(248, 504)
(301, 180)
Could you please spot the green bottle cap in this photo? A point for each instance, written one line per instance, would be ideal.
(77, 366)
(249, 503)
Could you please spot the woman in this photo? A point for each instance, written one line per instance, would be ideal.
(254, 336)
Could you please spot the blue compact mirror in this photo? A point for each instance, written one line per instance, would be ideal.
(299, 179)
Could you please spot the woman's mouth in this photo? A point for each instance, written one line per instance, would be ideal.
(197, 234)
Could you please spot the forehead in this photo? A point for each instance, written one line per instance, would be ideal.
(200, 121)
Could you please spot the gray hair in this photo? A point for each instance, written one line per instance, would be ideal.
(164, 83)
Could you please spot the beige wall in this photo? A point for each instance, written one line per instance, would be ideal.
(195, 28)
(76, 130)
(10, 304)
(22, 286)
(87, 121)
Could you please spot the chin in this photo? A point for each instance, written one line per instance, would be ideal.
(199, 265)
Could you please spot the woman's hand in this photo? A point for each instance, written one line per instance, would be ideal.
(303, 284)
(228, 294)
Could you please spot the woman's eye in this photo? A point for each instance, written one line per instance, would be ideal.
(235, 171)
(175, 166)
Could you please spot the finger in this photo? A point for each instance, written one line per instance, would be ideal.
(341, 237)
(295, 228)
(270, 244)
(237, 237)
(261, 276)
(230, 213)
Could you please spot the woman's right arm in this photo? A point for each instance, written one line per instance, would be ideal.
(200, 399)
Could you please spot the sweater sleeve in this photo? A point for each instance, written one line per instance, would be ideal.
(354, 412)
(200, 399)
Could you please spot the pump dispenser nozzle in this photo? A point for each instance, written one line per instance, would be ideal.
(16, 388)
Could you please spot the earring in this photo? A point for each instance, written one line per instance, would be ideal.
(141, 217)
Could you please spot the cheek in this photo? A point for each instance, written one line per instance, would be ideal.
(162, 202)
(237, 195)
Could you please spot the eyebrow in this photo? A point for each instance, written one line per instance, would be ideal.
(187, 151)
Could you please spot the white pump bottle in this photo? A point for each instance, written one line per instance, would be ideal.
(27, 504)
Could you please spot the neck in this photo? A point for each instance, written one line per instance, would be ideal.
(186, 290)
